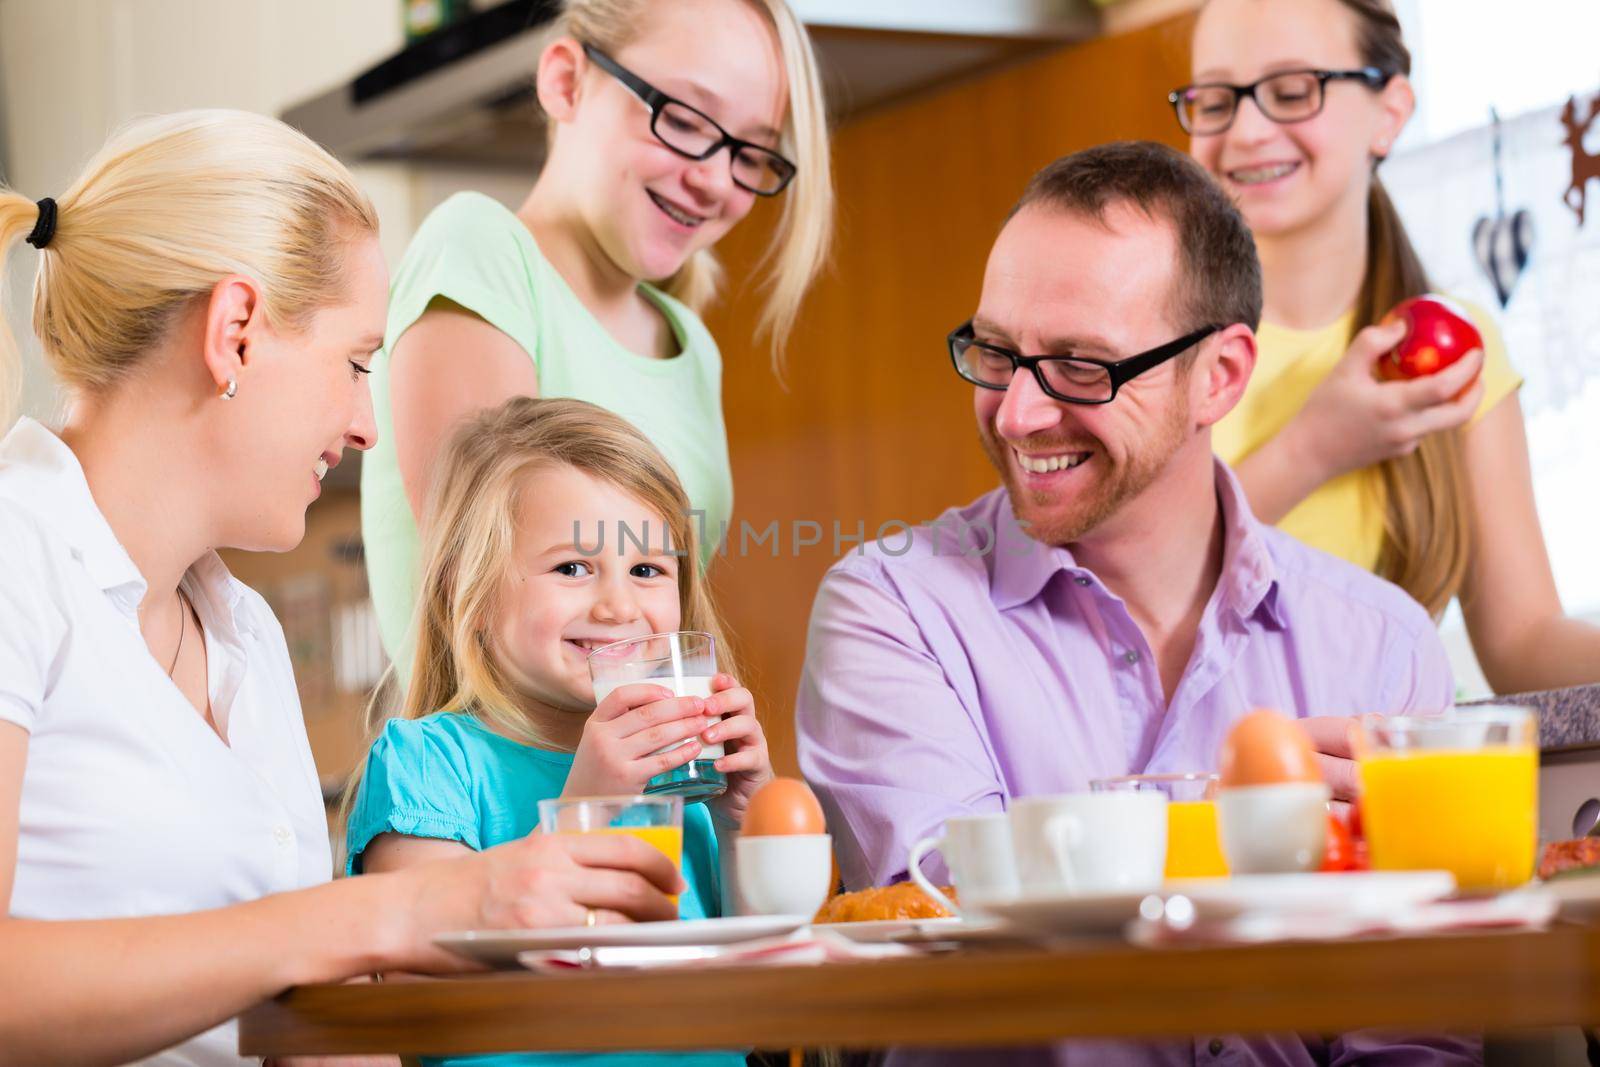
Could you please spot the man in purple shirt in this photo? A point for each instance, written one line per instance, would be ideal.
(1115, 607)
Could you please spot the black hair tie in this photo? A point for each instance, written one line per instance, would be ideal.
(45, 228)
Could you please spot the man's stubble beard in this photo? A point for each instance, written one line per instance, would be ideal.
(1046, 522)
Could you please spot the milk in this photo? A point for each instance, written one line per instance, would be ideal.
(684, 685)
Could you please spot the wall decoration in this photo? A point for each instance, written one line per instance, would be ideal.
(1585, 164)
(1502, 244)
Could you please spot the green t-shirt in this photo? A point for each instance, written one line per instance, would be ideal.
(471, 250)
(450, 777)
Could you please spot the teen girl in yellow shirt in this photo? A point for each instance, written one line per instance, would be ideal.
(1426, 482)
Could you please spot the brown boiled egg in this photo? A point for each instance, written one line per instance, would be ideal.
(784, 806)
(1264, 748)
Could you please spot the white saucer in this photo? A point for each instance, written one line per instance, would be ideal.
(500, 947)
(1059, 913)
(1339, 893)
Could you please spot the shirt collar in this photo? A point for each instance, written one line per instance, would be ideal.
(1022, 565)
(41, 475)
(1248, 584)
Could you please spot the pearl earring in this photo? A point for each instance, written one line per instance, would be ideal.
(231, 391)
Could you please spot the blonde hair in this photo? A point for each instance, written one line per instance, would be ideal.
(800, 242)
(1427, 522)
(170, 206)
(471, 537)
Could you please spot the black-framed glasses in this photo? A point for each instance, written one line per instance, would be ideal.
(1074, 379)
(695, 135)
(1285, 97)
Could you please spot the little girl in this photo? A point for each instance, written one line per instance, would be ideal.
(500, 710)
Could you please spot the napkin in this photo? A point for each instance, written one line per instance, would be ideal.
(807, 945)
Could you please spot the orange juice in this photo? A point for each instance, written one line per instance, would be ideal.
(1194, 848)
(664, 839)
(1471, 812)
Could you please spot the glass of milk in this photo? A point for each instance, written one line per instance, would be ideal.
(684, 662)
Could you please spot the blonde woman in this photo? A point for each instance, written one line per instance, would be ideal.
(669, 120)
(526, 570)
(210, 292)
(1426, 482)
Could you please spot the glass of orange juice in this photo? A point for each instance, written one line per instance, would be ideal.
(655, 820)
(1457, 792)
(1194, 848)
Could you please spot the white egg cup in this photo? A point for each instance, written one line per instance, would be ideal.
(1273, 829)
(783, 874)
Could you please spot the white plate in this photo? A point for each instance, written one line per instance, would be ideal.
(1063, 913)
(500, 947)
(1333, 893)
(883, 931)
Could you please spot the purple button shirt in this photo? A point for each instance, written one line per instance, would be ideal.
(966, 664)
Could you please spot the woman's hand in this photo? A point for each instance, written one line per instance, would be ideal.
(620, 750)
(1353, 420)
(747, 763)
(542, 880)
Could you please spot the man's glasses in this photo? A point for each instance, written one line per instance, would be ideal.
(1074, 379)
(1286, 97)
(695, 135)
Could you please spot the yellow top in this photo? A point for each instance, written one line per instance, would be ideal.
(1343, 516)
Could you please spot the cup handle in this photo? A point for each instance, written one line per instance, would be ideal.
(1062, 832)
(918, 851)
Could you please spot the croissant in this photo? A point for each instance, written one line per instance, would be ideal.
(900, 901)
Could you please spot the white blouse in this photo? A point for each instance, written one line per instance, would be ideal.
(131, 804)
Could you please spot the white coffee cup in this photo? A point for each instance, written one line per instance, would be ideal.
(977, 850)
(1090, 842)
(783, 874)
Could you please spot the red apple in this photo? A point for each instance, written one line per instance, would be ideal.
(1438, 332)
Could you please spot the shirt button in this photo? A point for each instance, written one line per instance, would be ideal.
(1216, 1046)
(1130, 657)
(1081, 580)
(283, 836)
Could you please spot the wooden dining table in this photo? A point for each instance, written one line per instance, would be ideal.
(966, 996)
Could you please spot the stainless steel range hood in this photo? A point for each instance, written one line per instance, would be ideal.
(464, 95)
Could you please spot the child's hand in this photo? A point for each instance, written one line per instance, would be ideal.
(747, 763)
(619, 751)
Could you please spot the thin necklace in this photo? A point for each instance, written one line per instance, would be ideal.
(183, 626)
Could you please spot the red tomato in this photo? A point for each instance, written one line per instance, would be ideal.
(1438, 332)
(1356, 830)
(1340, 851)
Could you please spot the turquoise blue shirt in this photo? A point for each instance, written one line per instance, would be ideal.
(450, 777)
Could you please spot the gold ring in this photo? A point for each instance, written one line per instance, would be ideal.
(589, 917)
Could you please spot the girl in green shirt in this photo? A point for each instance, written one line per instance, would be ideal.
(667, 121)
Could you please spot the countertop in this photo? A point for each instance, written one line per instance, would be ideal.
(1568, 718)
